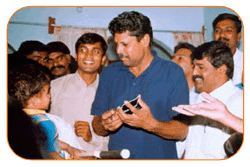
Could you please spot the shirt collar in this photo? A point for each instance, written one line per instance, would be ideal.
(34, 111)
(224, 91)
(193, 89)
(237, 52)
(237, 55)
(80, 80)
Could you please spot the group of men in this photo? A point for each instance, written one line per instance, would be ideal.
(203, 68)
(92, 103)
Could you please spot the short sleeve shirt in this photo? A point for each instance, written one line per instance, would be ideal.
(48, 128)
(162, 85)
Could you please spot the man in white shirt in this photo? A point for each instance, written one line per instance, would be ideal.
(213, 71)
(72, 95)
(227, 28)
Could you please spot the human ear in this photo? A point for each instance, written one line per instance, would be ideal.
(239, 36)
(223, 69)
(104, 58)
(68, 57)
(76, 57)
(145, 40)
(32, 102)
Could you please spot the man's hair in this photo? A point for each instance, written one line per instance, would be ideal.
(218, 53)
(91, 38)
(225, 16)
(134, 22)
(57, 46)
(26, 78)
(28, 47)
(185, 45)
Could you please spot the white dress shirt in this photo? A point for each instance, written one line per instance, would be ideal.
(71, 99)
(238, 67)
(180, 145)
(65, 133)
(206, 138)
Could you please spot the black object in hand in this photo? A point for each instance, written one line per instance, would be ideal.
(134, 103)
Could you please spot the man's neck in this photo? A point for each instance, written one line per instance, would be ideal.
(88, 78)
(145, 63)
(233, 51)
(190, 82)
(222, 82)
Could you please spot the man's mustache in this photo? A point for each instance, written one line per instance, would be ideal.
(223, 39)
(197, 76)
(60, 66)
(121, 56)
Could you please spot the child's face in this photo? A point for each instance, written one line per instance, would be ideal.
(41, 100)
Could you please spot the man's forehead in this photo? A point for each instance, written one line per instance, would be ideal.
(95, 45)
(39, 54)
(203, 61)
(56, 54)
(183, 52)
(124, 37)
(225, 24)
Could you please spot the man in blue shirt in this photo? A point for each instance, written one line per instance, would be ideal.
(159, 84)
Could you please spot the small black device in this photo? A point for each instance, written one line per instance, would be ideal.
(134, 103)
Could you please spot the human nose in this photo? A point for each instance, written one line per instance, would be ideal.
(89, 55)
(56, 62)
(119, 49)
(222, 34)
(196, 70)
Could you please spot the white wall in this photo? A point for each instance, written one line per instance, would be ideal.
(162, 18)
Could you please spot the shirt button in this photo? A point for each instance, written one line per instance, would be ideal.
(134, 84)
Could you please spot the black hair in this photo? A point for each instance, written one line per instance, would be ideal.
(28, 47)
(225, 16)
(218, 53)
(134, 22)
(58, 46)
(185, 45)
(91, 38)
(26, 78)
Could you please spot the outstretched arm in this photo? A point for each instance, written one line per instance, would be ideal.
(73, 152)
(213, 109)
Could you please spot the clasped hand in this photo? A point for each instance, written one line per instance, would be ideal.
(140, 118)
(82, 129)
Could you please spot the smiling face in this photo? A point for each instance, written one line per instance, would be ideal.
(206, 77)
(90, 58)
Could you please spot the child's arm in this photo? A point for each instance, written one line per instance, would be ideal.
(73, 152)
(55, 155)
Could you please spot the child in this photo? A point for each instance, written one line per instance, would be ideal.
(29, 83)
